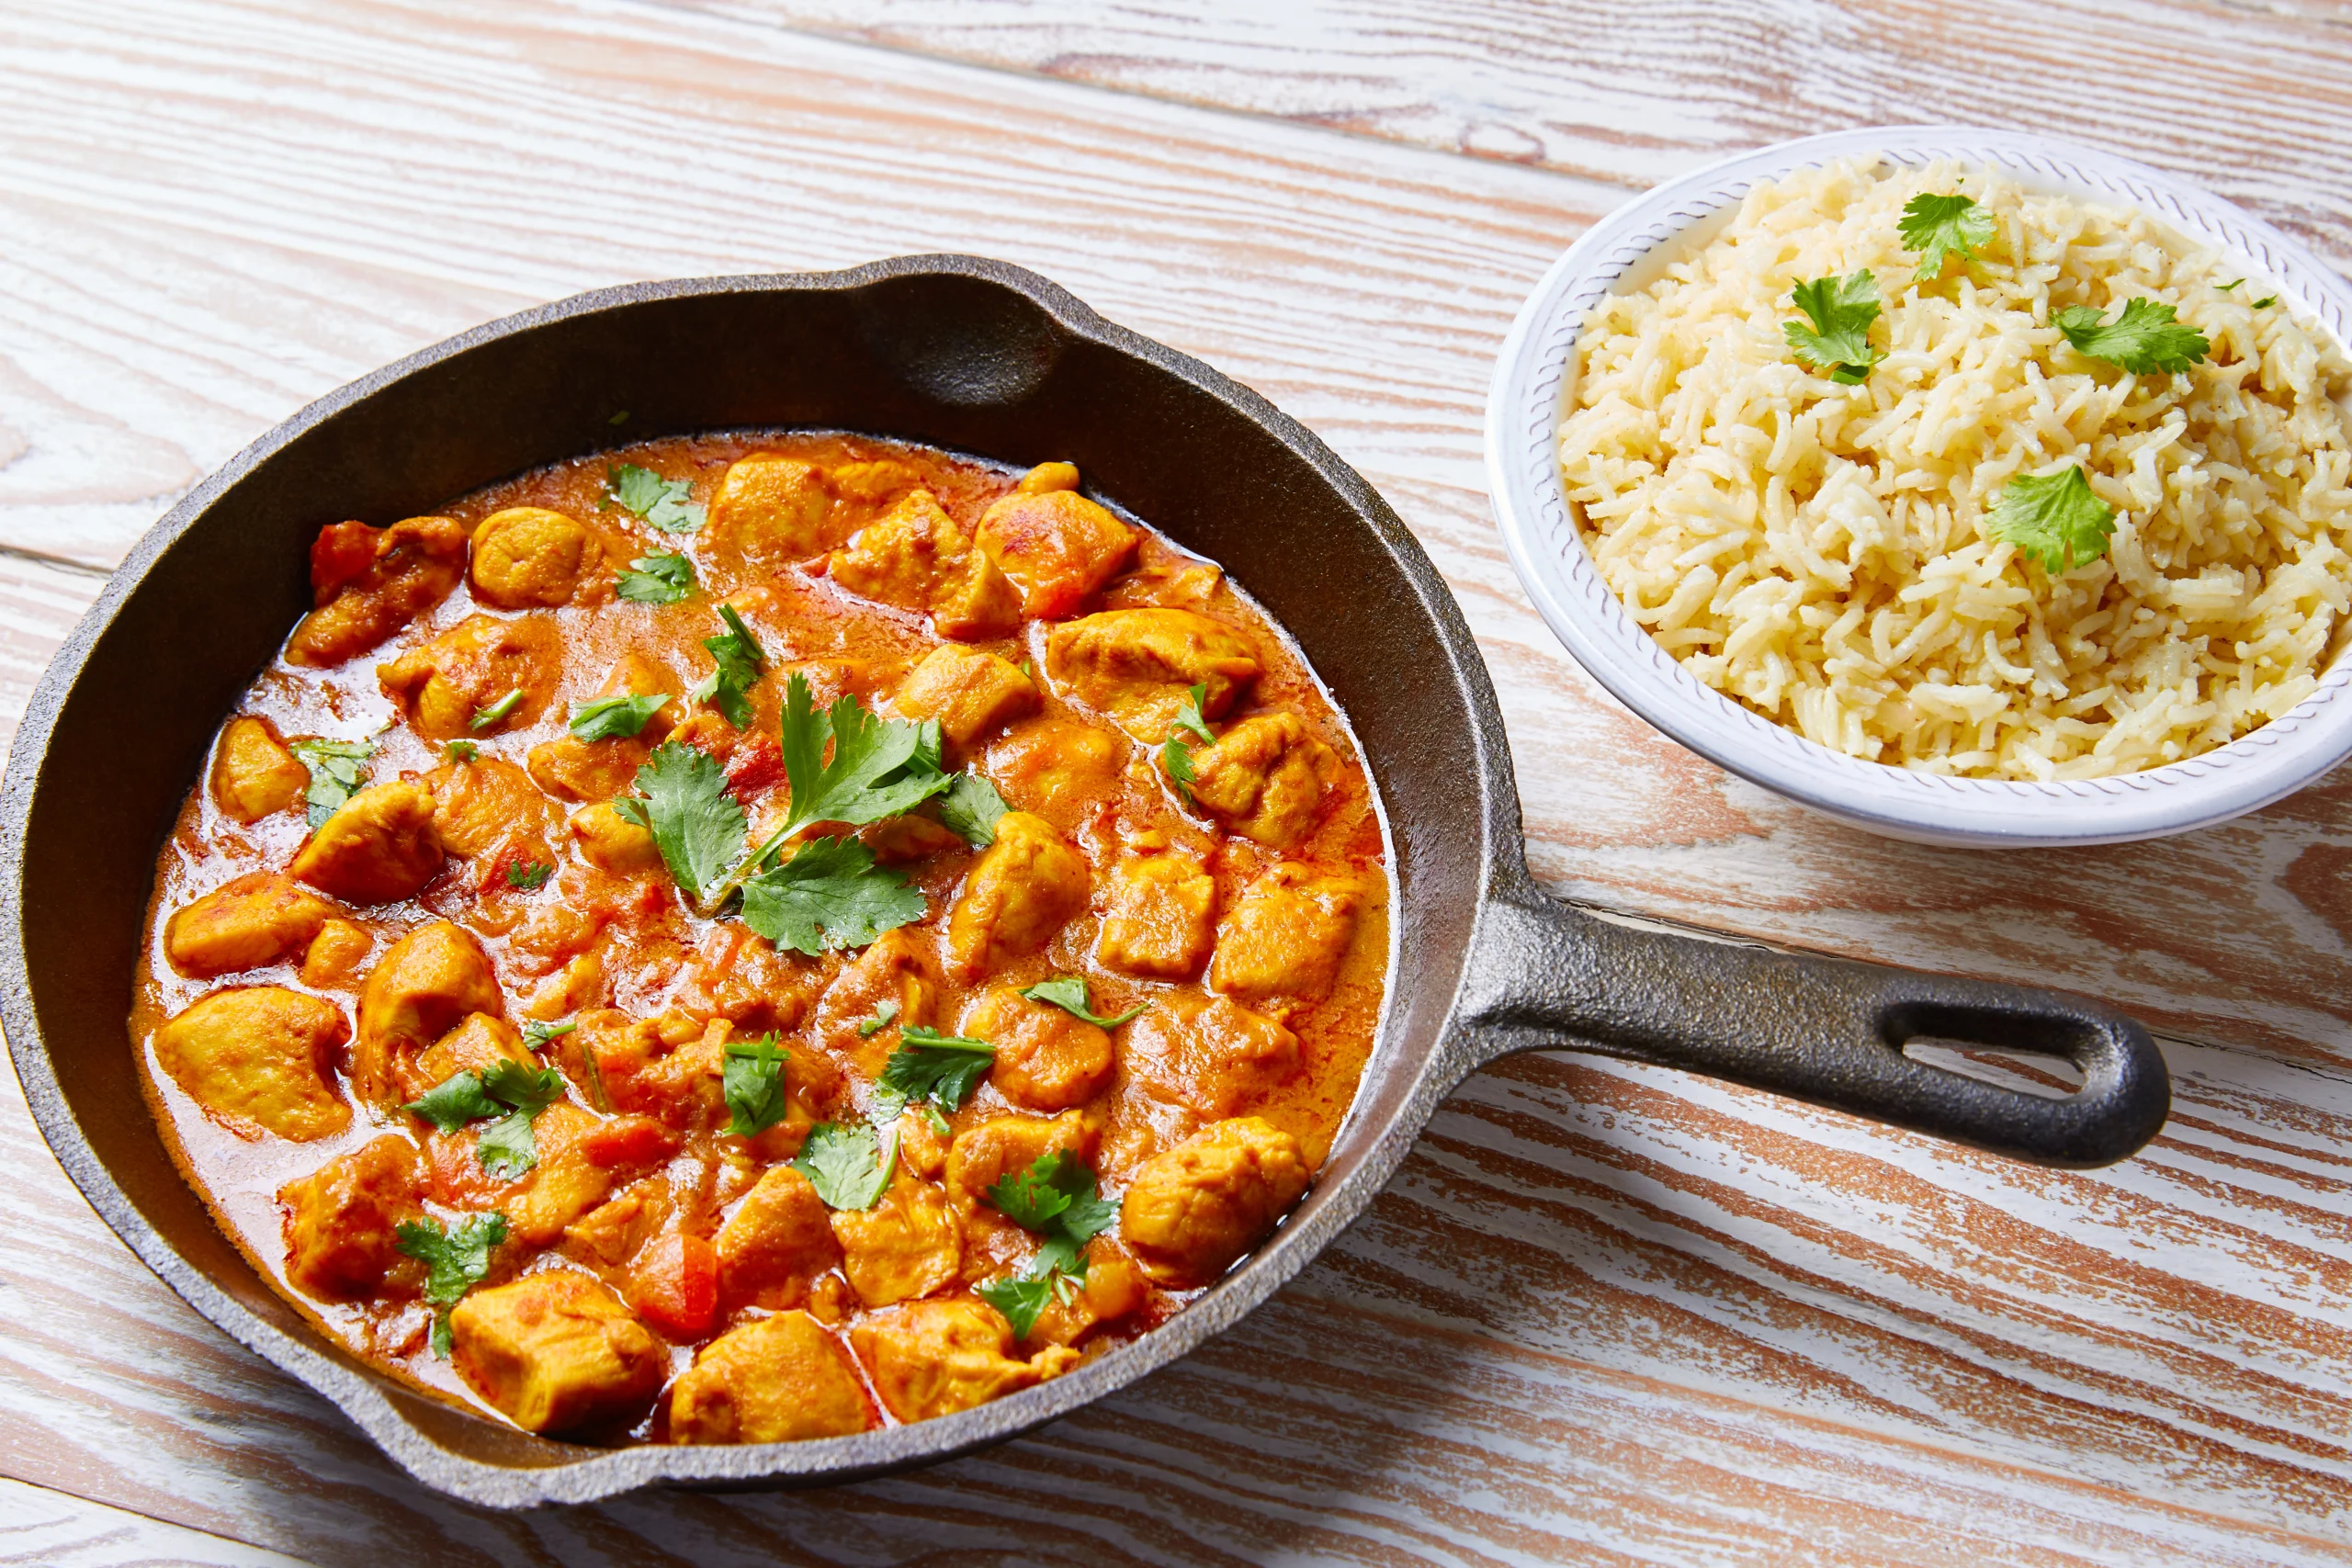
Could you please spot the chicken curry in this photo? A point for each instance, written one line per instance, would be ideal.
(747, 938)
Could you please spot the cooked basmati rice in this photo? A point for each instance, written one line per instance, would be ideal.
(1820, 553)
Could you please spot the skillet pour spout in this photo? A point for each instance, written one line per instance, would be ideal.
(982, 358)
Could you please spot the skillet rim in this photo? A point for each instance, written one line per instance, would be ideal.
(372, 1400)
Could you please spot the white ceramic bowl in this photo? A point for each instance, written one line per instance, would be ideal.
(1630, 247)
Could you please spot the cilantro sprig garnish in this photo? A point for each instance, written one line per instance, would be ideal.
(662, 503)
(1055, 1198)
(877, 767)
(616, 718)
(529, 875)
(737, 659)
(656, 580)
(538, 1033)
(848, 1163)
(933, 1071)
(458, 1258)
(1174, 755)
(752, 1082)
(697, 823)
(1841, 310)
(1939, 227)
(830, 894)
(337, 773)
(493, 714)
(2053, 518)
(2144, 339)
(1068, 992)
(971, 808)
(508, 1090)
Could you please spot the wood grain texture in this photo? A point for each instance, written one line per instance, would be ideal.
(40, 1528)
(1607, 1314)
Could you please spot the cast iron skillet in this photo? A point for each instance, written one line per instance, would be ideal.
(985, 357)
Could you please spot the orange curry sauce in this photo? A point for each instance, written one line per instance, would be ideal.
(663, 1279)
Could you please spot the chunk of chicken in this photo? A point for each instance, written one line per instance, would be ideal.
(930, 1359)
(1047, 478)
(901, 840)
(1285, 940)
(668, 1067)
(1057, 769)
(342, 1220)
(253, 775)
(1138, 666)
(972, 694)
(988, 1151)
(612, 842)
(332, 962)
(906, 1245)
(478, 1044)
(489, 807)
(1209, 1053)
(369, 583)
(1045, 1059)
(1158, 918)
(1193, 1210)
(1264, 778)
(582, 1162)
(777, 1380)
(771, 510)
(446, 685)
(554, 1350)
(259, 1059)
(1057, 546)
(896, 972)
(777, 1241)
(1019, 894)
(872, 482)
(915, 557)
(528, 555)
(260, 918)
(379, 847)
(423, 987)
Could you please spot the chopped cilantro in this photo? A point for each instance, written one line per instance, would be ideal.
(337, 773)
(752, 1082)
(829, 895)
(1057, 1198)
(614, 718)
(2053, 518)
(934, 1070)
(971, 808)
(849, 1165)
(879, 1022)
(529, 876)
(454, 1101)
(508, 1090)
(462, 750)
(736, 661)
(1941, 226)
(2225, 288)
(657, 579)
(1068, 992)
(496, 712)
(696, 823)
(2144, 339)
(1842, 309)
(662, 502)
(2265, 302)
(459, 1260)
(538, 1034)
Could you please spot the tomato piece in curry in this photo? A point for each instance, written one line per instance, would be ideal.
(755, 937)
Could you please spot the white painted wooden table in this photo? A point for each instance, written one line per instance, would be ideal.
(1605, 1313)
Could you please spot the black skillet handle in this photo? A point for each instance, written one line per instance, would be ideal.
(1825, 1030)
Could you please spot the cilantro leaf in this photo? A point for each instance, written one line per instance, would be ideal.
(1174, 755)
(495, 712)
(1188, 712)
(1056, 1198)
(1842, 309)
(458, 1258)
(530, 877)
(662, 502)
(752, 1082)
(879, 767)
(454, 1101)
(2144, 339)
(736, 661)
(462, 750)
(971, 808)
(1020, 1300)
(656, 580)
(1068, 992)
(538, 1034)
(931, 1069)
(614, 718)
(2053, 518)
(829, 895)
(510, 1091)
(337, 773)
(849, 1167)
(696, 823)
(879, 1022)
(1034, 1198)
(1941, 226)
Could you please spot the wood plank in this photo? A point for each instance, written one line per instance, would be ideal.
(2247, 99)
(40, 1528)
